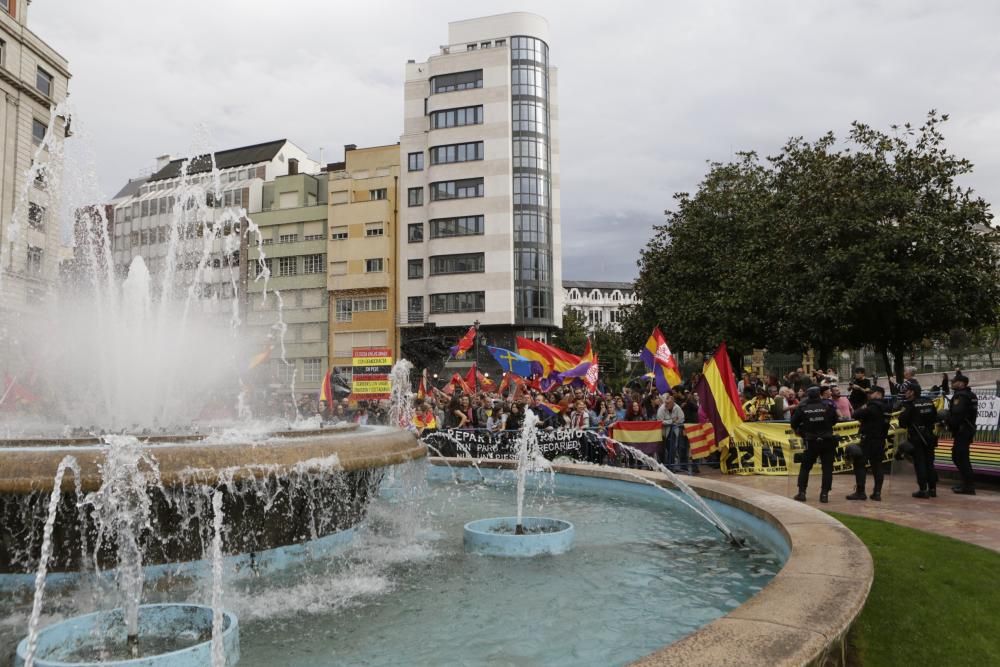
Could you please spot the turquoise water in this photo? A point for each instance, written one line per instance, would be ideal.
(642, 573)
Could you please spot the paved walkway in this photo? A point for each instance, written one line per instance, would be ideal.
(973, 519)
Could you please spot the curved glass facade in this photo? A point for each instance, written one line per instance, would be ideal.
(533, 293)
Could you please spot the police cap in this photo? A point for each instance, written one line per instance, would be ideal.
(959, 377)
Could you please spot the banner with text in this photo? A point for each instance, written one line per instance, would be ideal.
(482, 444)
(370, 369)
(772, 448)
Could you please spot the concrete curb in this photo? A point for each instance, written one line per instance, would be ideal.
(802, 616)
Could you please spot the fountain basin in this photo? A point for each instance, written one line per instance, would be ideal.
(180, 635)
(496, 537)
(282, 489)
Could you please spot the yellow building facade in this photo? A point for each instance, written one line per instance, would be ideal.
(361, 252)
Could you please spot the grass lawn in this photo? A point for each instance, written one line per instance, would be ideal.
(934, 601)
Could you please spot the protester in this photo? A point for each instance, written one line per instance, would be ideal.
(843, 406)
(672, 417)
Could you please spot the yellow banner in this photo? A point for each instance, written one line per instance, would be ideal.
(764, 448)
(371, 361)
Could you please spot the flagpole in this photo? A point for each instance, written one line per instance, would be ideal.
(476, 376)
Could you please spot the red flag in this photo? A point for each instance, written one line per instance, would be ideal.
(458, 380)
(504, 383)
(485, 383)
(326, 391)
(470, 377)
(422, 386)
(465, 342)
(702, 439)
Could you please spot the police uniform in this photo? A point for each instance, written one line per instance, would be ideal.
(813, 420)
(918, 417)
(873, 429)
(962, 413)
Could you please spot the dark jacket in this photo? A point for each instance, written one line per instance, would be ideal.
(963, 410)
(814, 419)
(874, 424)
(918, 417)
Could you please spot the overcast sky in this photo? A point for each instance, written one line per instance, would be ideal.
(649, 91)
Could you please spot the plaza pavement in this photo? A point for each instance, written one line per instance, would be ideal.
(973, 519)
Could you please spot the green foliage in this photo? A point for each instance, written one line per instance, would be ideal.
(612, 354)
(822, 247)
(925, 581)
(572, 337)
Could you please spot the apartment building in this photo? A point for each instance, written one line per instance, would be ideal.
(291, 234)
(204, 199)
(600, 303)
(362, 248)
(479, 211)
(34, 79)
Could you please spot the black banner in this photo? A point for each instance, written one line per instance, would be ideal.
(577, 444)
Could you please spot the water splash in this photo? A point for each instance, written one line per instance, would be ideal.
(697, 503)
(401, 396)
(218, 650)
(68, 462)
(527, 453)
(121, 512)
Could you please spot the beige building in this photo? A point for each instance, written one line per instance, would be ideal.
(479, 212)
(361, 248)
(34, 79)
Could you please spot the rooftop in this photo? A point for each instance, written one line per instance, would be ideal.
(131, 187)
(234, 157)
(596, 284)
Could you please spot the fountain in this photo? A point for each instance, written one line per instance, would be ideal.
(186, 541)
(520, 535)
(157, 499)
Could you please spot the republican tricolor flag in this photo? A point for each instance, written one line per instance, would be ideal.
(661, 361)
(718, 397)
(464, 344)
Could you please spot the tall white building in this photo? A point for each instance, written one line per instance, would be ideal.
(479, 184)
(34, 80)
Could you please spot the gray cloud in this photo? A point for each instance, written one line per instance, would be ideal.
(648, 91)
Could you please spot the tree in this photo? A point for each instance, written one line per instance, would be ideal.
(869, 244)
(572, 337)
(612, 355)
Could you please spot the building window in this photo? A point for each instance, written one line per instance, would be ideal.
(415, 232)
(144, 237)
(377, 194)
(484, 45)
(43, 82)
(613, 317)
(594, 317)
(144, 208)
(415, 161)
(458, 302)
(473, 262)
(458, 81)
(467, 152)
(5, 5)
(288, 238)
(263, 269)
(312, 369)
(36, 215)
(470, 225)
(415, 197)
(414, 310)
(287, 266)
(370, 304)
(456, 117)
(338, 268)
(373, 265)
(463, 189)
(470, 47)
(344, 310)
(414, 268)
(286, 369)
(38, 129)
(34, 265)
(314, 263)
(374, 229)
(532, 303)
(533, 264)
(500, 42)
(338, 233)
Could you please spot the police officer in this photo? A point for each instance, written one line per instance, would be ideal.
(919, 417)
(963, 410)
(874, 429)
(813, 421)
